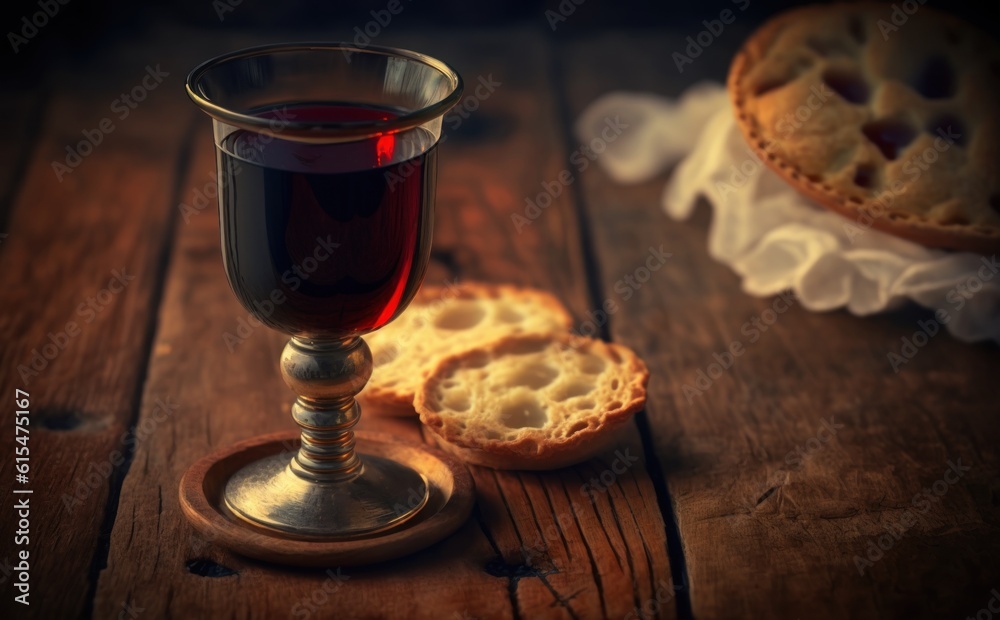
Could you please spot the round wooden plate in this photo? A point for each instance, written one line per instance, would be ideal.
(449, 505)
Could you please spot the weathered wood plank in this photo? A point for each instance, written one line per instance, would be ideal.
(771, 508)
(22, 112)
(537, 547)
(82, 273)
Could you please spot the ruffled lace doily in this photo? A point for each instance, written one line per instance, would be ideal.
(772, 236)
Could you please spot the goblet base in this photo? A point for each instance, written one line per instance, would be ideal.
(202, 497)
(270, 494)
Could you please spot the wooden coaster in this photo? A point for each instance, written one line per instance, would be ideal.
(452, 495)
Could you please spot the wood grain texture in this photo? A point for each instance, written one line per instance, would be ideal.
(105, 226)
(539, 546)
(772, 510)
(21, 115)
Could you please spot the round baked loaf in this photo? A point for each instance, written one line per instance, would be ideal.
(532, 402)
(885, 116)
(442, 321)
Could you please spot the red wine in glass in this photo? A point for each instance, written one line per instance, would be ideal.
(332, 239)
(326, 215)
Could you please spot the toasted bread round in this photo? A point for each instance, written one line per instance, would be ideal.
(444, 320)
(532, 402)
(884, 116)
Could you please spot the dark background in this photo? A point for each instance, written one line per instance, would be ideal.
(83, 27)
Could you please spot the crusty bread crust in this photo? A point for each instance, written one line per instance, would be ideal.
(908, 81)
(406, 342)
(479, 434)
(612, 436)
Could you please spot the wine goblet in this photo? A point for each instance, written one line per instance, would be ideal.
(327, 166)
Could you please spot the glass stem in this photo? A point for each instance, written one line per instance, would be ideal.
(326, 375)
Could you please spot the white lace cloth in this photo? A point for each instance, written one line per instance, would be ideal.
(775, 238)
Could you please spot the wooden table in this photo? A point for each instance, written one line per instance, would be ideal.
(740, 504)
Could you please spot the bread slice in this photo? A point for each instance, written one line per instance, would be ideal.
(444, 320)
(532, 402)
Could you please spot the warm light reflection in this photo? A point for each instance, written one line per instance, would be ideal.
(384, 148)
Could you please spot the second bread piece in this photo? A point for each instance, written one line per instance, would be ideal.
(533, 402)
(443, 321)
